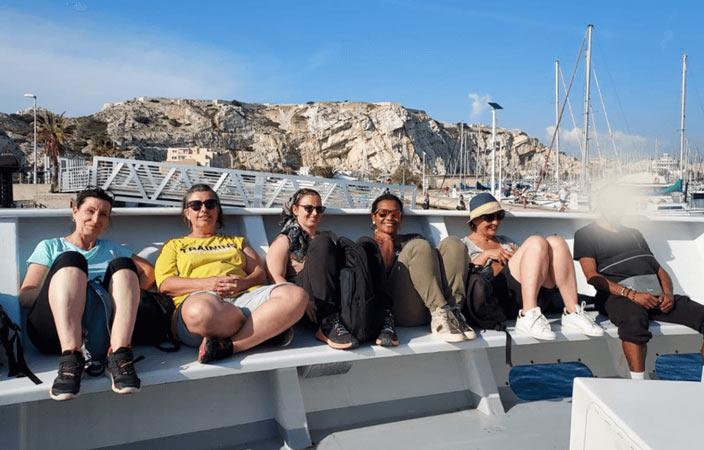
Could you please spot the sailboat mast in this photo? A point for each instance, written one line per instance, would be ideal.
(557, 123)
(587, 92)
(462, 150)
(682, 112)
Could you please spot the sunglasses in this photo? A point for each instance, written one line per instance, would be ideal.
(196, 205)
(310, 208)
(495, 216)
(394, 213)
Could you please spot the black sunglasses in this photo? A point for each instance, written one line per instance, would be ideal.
(495, 216)
(310, 208)
(394, 213)
(196, 205)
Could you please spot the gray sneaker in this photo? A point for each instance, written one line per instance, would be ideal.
(444, 325)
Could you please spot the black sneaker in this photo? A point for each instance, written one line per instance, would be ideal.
(462, 323)
(214, 348)
(387, 335)
(121, 370)
(282, 339)
(333, 332)
(68, 383)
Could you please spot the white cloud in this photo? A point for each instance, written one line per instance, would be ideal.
(480, 104)
(78, 69)
(322, 57)
(572, 138)
(667, 37)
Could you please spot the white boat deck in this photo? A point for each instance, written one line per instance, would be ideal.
(308, 392)
(645, 415)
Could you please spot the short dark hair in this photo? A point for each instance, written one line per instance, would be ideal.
(386, 196)
(94, 192)
(201, 187)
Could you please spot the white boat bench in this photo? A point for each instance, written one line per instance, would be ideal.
(284, 393)
(288, 391)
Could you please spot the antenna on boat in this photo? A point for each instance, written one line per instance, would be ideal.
(557, 123)
(682, 113)
(585, 154)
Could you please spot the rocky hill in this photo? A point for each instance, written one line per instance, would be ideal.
(343, 136)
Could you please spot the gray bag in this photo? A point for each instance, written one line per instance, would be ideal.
(643, 283)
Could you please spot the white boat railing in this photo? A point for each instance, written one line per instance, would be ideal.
(154, 183)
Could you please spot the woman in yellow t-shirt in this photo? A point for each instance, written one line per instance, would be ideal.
(216, 283)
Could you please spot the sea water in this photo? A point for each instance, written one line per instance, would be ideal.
(550, 381)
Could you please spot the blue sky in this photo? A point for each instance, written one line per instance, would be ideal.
(445, 57)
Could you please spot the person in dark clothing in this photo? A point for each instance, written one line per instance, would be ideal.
(461, 205)
(309, 258)
(421, 284)
(426, 201)
(632, 287)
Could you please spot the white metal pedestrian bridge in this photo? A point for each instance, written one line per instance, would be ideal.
(155, 183)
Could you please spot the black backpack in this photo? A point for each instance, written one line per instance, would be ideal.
(359, 311)
(11, 341)
(153, 323)
(483, 309)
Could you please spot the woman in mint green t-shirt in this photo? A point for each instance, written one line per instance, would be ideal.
(62, 313)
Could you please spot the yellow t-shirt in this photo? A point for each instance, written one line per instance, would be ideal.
(190, 257)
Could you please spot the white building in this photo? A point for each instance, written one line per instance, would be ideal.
(198, 156)
(665, 164)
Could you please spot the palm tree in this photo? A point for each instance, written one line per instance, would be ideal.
(54, 131)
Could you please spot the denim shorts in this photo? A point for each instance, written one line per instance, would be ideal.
(247, 302)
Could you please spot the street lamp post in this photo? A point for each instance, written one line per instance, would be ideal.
(424, 184)
(34, 97)
(494, 107)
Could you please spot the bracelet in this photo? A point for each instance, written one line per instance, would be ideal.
(623, 289)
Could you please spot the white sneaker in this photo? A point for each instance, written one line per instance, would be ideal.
(581, 321)
(443, 324)
(534, 324)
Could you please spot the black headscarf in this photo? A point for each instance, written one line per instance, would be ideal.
(297, 237)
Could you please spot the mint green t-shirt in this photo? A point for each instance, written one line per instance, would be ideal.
(98, 257)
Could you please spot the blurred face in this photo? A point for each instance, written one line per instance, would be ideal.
(613, 202)
(308, 211)
(93, 217)
(202, 211)
(488, 224)
(387, 217)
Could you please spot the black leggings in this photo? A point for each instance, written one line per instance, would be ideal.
(320, 276)
(633, 320)
(41, 328)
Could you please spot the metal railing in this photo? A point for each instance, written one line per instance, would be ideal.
(74, 174)
(155, 183)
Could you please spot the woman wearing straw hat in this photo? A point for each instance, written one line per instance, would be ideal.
(524, 273)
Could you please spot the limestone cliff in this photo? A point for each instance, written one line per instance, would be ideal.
(375, 138)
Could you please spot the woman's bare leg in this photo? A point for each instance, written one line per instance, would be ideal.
(206, 315)
(562, 271)
(67, 299)
(529, 265)
(124, 288)
(285, 307)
